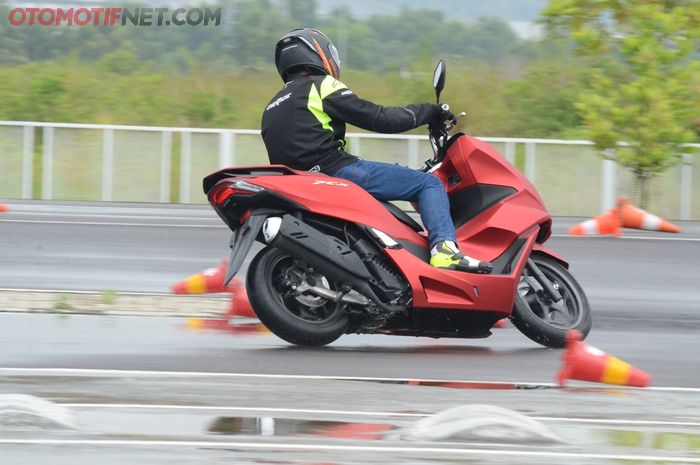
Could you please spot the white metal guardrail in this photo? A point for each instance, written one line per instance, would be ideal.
(166, 164)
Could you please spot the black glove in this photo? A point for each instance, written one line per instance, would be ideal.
(441, 113)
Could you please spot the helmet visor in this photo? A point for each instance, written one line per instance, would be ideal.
(334, 53)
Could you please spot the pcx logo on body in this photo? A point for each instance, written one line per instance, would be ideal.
(330, 183)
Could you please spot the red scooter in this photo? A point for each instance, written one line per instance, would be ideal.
(339, 261)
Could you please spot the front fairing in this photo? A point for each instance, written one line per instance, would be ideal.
(477, 162)
(492, 203)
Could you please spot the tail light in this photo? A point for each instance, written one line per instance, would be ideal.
(222, 192)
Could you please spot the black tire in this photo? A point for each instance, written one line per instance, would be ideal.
(286, 316)
(533, 314)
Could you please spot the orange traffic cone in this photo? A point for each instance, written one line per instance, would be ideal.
(240, 305)
(208, 281)
(607, 223)
(587, 363)
(211, 280)
(636, 218)
(4, 208)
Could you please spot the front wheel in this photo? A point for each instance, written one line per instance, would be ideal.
(273, 283)
(540, 318)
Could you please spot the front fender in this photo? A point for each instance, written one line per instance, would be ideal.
(541, 249)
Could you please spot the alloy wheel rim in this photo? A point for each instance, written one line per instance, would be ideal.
(288, 273)
(564, 314)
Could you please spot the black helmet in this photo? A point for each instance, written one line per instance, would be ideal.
(307, 48)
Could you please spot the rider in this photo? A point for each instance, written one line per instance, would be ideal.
(304, 127)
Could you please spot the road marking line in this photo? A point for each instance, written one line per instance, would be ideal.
(83, 223)
(607, 421)
(199, 374)
(686, 239)
(334, 447)
(246, 409)
(107, 215)
(127, 294)
(610, 421)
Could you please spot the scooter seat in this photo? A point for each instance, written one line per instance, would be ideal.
(402, 216)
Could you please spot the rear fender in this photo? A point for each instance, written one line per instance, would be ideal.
(242, 240)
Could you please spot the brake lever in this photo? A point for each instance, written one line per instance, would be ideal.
(453, 121)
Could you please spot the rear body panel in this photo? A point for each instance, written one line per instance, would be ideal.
(324, 195)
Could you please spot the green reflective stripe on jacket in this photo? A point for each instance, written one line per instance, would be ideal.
(315, 105)
(330, 85)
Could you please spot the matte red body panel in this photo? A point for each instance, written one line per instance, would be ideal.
(341, 199)
(480, 163)
(439, 288)
(487, 235)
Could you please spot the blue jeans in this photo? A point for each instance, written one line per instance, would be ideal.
(394, 182)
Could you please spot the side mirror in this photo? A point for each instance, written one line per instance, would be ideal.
(439, 79)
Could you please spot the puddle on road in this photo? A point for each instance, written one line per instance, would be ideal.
(608, 391)
(269, 426)
(496, 386)
(463, 424)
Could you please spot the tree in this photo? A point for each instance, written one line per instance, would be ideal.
(542, 102)
(259, 28)
(640, 77)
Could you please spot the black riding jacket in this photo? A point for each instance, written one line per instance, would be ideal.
(303, 126)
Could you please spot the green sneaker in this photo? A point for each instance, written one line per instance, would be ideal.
(446, 256)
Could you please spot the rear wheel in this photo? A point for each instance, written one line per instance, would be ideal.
(273, 283)
(540, 318)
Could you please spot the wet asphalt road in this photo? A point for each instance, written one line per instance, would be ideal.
(166, 344)
(643, 289)
(151, 390)
(643, 279)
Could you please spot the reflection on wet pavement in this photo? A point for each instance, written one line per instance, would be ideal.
(247, 326)
(665, 440)
(269, 426)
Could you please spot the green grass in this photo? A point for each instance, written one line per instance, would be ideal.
(11, 141)
(109, 297)
(62, 303)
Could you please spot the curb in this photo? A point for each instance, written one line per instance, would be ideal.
(112, 303)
